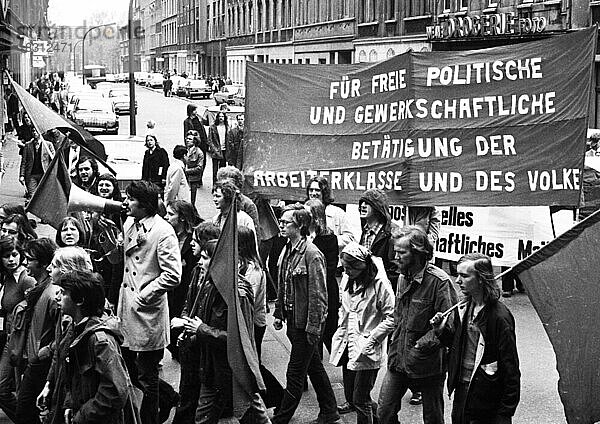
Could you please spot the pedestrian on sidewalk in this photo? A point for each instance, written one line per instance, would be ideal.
(155, 163)
(302, 303)
(366, 319)
(217, 142)
(37, 155)
(194, 123)
(483, 363)
(194, 167)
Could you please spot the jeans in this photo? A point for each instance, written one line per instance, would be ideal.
(143, 371)
(305, 359)
(8, 373)
(394, 386)
(32, 383)
(194, 191)
(212, 401)
(357, 390)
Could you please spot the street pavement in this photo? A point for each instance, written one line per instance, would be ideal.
(539, 397)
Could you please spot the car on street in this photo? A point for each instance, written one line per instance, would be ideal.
(177, 82)
(97, 115)
(74, 97)
(239, 98)
(155, 80)
(226, 93)
(120, 99)
(125, 155)
(141, 77)
(197, 88)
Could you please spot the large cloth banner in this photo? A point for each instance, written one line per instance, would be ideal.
(504, 126)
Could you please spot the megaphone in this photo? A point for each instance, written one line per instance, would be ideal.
(81, 200)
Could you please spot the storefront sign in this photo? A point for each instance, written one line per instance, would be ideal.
(504, 126)
(485, 26)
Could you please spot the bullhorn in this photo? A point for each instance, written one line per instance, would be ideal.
(80, 200)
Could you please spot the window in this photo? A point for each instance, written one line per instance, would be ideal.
(259, 15)
(464, 4)
(390, 12)
(416, 7)
(447, 6)
(362, 56)
(267, 15)
(367, 11)
(372, 56)
(493, 3)
(391, 53)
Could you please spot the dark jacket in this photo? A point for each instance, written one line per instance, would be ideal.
(235, 147)
(177, 296)
(98, 385)
(211, 336)
(195, 124)
(307, 278)
(414, 348)
(382, 246)
(155, 165)
(488, 395)
(45, 313)
(215, 144)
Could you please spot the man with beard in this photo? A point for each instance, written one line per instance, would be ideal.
(87, 174)
(416, 356)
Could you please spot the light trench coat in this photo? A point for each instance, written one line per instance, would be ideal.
(152, 267)
(365, 320)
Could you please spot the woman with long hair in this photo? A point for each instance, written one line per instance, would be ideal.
(183, 217)
(52, 396)
(366, 319)
(15, 282)
(324, 238)
(189, 384)
(70, 232)
(252, 269)
(155, 163)
(17, 226)
(106, 232)
(224, 191)
(217, 137)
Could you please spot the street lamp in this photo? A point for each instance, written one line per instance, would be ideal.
(130, 52)
(83, 48)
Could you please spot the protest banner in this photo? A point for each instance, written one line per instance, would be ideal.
(502, 126)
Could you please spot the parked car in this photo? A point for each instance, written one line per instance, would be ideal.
(74, 97)
(155, 80)
(225, 94)
(111, 77)
(120, 99)
(97, 115)
(125, 155)
(141, 77)
(177, 82)
(197, 88)
(239, 98)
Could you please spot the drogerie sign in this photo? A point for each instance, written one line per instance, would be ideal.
(485, 26)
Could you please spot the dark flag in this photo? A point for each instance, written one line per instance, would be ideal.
(50, 200)
(241, 352)
(45, 119)
(266, 219)
(562, 281)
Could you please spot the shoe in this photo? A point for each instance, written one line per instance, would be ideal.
(507, 293)
(165, 410)
(345, 408)
(321, 420)
(416, 398)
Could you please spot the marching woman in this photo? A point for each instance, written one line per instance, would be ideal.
(252, 270)
(106, 231)
(483, 363)
(189, 350)
(176, 187)
(15, 282)
(366, 319)
(183, 217)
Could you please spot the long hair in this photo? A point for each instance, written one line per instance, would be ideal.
(325, 189)
(116, 195)
(317, 212)
(484, 271)
(187, 214)
(247, 249)
(417, 239)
